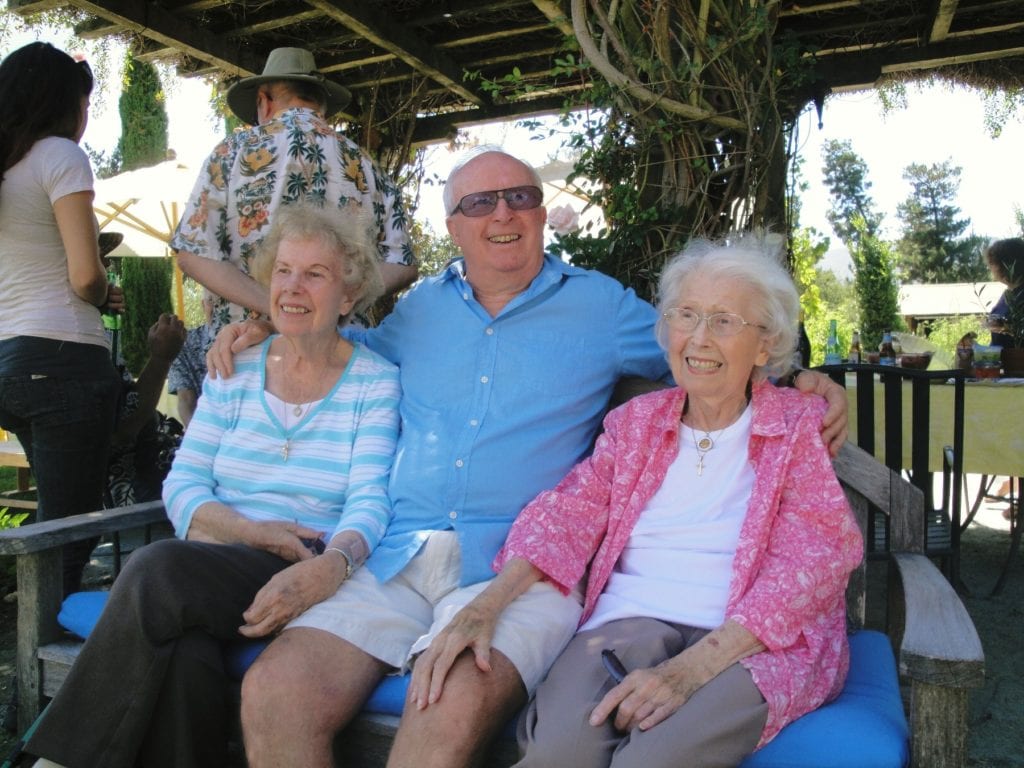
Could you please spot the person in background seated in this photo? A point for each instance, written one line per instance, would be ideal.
(145, 440)
(1005, 259)
(508, 358)
(185, 379)
(288, 459)
(712, 535)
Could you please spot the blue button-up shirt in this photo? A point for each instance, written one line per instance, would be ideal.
(496, 409)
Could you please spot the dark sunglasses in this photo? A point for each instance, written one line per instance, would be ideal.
(483, 203)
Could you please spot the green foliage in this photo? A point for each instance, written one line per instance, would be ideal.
(855, 220)
(807, 253)
(143, 139)
(680, 129)
(193, 311)
(875, 281)
(1000, 106)
(837, 299)
(147, 293)
(105, 165)
(433, 251)
(944, 333)
(932, 248)
(10, 519)
(846, 176)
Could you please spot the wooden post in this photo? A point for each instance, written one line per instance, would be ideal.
(40, 590)
(939, 726)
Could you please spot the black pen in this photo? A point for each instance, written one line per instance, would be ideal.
(613, 665)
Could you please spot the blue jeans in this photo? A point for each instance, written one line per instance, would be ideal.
(65, 426)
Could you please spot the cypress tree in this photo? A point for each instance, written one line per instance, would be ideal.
(147, 293)
(143, 139)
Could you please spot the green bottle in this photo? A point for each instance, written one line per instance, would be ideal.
(112, 321)
(833, 356)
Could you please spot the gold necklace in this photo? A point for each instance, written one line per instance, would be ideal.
(702, 447)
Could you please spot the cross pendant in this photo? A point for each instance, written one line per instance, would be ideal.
(284, 450)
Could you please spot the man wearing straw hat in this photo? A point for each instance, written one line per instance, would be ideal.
(289, 154)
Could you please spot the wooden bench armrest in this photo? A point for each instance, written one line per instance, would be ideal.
(941, 656)
(940, 643)
(56, 533)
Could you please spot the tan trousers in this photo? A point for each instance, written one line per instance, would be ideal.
(718, 726)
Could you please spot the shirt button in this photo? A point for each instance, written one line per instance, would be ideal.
(465, 296)
(473, 422)
(489, 331)
(483, 379)
(453, 515)
(459, 462)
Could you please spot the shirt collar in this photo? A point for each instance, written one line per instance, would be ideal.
(552, 267)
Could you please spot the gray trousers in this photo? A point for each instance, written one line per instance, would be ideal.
(718, 726)
(149, 686)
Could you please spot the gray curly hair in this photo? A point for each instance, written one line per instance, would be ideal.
(752, 260)
(347, 232)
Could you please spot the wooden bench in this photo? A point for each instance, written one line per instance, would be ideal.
(937, 648)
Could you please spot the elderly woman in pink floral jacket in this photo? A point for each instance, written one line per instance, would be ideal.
(710, 537)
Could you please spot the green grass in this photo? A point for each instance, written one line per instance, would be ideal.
(8, 478)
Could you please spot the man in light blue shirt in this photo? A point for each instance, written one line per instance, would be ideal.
(507, 358)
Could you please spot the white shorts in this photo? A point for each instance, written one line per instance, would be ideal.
(396, 620)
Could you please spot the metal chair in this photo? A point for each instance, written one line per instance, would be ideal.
(942, 535)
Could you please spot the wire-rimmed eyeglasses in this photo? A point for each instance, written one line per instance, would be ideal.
(718, 323)
(483, 203)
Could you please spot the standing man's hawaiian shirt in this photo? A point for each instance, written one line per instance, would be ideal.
(295, 157)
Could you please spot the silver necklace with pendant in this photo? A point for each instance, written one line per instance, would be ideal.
(297, 409)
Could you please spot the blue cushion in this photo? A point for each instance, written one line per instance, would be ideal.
(388, 698)
(80, 611)
(240, 654)
(863, 728)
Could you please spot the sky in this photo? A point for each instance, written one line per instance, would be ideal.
(938, 124)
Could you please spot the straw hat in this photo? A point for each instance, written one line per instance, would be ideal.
(284, 64)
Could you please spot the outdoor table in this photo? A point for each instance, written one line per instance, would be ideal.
(993, 434)
(13, 455)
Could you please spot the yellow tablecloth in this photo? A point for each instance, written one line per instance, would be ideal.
(993, 425)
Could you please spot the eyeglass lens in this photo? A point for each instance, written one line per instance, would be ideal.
(483, 203)
(719, 323)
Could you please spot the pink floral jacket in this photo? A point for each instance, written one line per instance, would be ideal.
(797, 546)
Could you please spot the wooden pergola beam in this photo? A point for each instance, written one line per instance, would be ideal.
(397, 40)
(156, 23)
(943, 19)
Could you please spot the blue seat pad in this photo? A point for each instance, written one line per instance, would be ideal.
(864, 727)
(80, 611)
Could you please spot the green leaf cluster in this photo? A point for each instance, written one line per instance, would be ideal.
(875, 280)
(933, 247)
(143, 111)
(147, 293)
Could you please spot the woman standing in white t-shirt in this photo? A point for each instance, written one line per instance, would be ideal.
(58, 387)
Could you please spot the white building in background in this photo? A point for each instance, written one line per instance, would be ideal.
(920, 303)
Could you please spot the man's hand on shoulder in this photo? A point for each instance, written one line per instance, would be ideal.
(232, 339)
(833, 425)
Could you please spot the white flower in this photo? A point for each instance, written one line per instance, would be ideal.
(563, 219)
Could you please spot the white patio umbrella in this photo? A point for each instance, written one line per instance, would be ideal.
(145, 206)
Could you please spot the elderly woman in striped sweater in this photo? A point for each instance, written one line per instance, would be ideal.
(278, 492)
